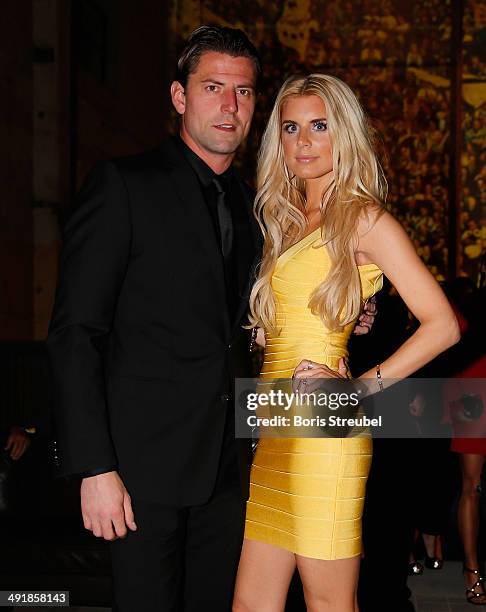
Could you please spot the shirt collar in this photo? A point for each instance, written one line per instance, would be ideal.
(204, 173)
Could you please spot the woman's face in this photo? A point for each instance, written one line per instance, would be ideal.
(305, 138)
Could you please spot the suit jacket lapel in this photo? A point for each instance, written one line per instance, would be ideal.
(255, 248)
(200, 226)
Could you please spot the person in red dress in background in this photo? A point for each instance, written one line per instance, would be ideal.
(468, 303)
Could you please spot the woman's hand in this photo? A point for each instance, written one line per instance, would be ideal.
(308, 373)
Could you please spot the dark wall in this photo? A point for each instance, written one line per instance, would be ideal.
(16, 234)
(122, 58)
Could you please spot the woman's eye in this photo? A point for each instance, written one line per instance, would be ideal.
(290, 128)
(320, 126)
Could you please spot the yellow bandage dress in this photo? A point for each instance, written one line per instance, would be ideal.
(307, 494)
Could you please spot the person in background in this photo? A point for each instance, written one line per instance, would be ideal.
(469, 425)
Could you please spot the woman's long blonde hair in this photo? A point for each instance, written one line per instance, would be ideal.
(358, 183)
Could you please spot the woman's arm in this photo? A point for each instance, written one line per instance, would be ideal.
(387, 245)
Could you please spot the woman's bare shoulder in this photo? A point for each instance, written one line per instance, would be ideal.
(369, 217)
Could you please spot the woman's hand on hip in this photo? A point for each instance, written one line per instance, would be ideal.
(308, 373)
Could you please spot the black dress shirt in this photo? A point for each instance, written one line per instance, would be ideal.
(236, 204)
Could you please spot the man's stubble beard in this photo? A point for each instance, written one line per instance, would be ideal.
(221, 147)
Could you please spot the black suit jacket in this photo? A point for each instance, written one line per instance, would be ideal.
(141, 345)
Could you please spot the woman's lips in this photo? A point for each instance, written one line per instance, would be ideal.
(306, 159)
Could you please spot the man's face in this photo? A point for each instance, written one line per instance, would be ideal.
(217, 105)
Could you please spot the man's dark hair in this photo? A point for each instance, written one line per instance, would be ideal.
(204, 39)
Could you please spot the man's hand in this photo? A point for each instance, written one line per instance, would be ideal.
(366, 318)
(17, 442)
(260, 337)
(106, 506)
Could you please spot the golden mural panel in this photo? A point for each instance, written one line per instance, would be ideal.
(396, 55)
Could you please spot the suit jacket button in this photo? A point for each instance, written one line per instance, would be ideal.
(225, 397)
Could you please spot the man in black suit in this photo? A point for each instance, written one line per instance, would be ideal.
(146, 338)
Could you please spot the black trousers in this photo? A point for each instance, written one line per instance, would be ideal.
(388, 526)
(183, 559)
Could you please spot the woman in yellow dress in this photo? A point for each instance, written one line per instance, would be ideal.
(327, 242)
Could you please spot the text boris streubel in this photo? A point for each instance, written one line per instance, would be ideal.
(300, 421)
